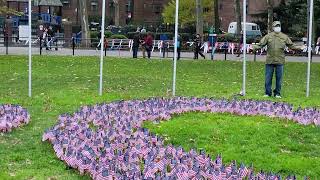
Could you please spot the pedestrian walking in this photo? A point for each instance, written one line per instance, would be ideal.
(45, 38)
(149, 44)
(136, 44)
(179, 43)
(100, 42)
(163, 39)
(197, 47)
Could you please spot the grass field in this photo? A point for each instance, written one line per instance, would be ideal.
(63, 84)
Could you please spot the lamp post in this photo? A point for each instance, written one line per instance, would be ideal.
(310, 23)
(102, 45)
(244, 68)
(175, 49)
(30, 58)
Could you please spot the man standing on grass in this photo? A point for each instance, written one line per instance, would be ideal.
(276, 43)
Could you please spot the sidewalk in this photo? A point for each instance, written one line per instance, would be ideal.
(127, 54)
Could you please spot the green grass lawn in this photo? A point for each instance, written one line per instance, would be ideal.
(63, 84)
(269, 144)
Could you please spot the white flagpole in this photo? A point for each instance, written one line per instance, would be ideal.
(102, 44)
(309, 46)
(175, 49)
(30, 58)
(243, 93)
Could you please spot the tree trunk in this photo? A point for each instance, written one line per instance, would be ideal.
(216, 15)
(270, 14)
(84, 23)
(237, 10)
(199, 17)
(116, 13)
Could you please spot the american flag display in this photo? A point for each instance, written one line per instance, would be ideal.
(12, 116)
(107, 141)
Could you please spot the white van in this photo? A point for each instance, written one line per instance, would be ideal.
(253, 30)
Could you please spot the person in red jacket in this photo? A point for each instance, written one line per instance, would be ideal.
(149, 44)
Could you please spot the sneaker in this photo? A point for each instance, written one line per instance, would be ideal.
(266, 96)
(278, 96)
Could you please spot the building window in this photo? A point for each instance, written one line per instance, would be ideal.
(128, 9)
(66, 3)
(247, 7)
(36, 2)
(129, 6)
(94, 5)
(157, 8)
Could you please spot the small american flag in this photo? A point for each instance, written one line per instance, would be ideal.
(124, 148)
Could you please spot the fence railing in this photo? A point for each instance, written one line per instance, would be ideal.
(56, 43)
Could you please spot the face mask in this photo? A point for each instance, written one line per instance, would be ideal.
(277, 29)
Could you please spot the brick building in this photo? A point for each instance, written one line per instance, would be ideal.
(143, 12)
(227, 13)
(137, 11)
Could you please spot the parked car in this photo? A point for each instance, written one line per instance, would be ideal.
(252, 29)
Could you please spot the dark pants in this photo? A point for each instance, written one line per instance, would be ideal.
(239, 49)
(270, 69)
(135, 51)
(148, 48)
(149, 53)
(163, 52)
(179, 53)
(197, 52)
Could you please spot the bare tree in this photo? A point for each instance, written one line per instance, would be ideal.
(216, 15)
(270, 14)
(84, 22)
(199, 9)
(237, 10)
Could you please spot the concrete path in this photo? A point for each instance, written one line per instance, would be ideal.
(126, 54)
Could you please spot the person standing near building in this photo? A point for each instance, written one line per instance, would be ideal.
(45, 38)
(197, 47)
(213, 42)
(136, 44)
(163, 39)
(276, 42)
